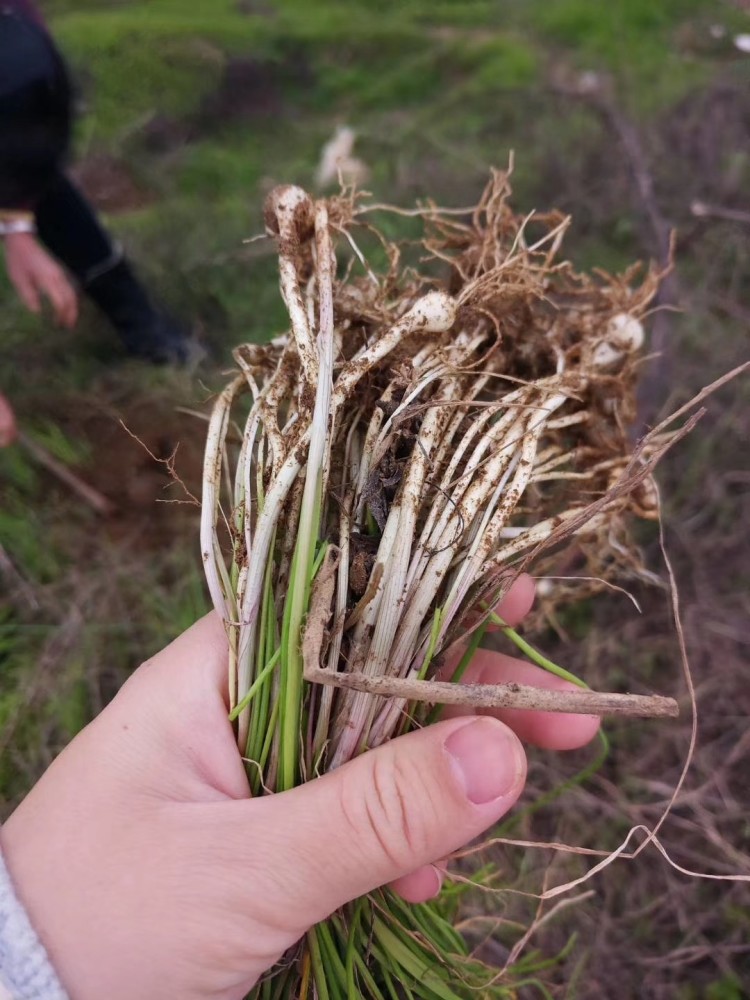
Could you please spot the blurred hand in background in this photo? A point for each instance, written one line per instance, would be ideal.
(36, 275)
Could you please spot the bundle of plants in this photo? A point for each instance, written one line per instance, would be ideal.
(374, 482)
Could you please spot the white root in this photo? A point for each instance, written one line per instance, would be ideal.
(398, 431)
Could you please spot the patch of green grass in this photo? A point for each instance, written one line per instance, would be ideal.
(31, 537)
(503, 62)
(608, 28)
(576, 619)
(166, 56)
(205, 272)
(24, 529)
(728, 987)
(128, 72)
(74, 711)
(432, 88)
(611, 249)
(635, 41)
(231, 168)
(59, 664)
(48, 434)
(178, 603)
(136, 60)
(378, 80)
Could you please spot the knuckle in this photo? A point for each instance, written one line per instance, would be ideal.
(392, 813)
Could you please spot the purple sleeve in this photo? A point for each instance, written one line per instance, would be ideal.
(25, 8)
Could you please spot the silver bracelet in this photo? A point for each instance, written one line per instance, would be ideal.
(9, 227)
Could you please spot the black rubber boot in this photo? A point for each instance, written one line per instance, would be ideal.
(68, 226)
(145, 331)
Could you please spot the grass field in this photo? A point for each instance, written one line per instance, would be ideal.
(191, 110)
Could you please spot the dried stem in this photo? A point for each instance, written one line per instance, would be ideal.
(96, 500)
(517, 696)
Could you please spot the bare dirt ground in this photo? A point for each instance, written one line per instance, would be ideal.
(138, 449)
(109, 184)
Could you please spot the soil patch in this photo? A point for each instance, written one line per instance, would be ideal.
(162, 134)
(256, 8)
(250, 89)
(109, 184)
(133, 446)
(708, 133)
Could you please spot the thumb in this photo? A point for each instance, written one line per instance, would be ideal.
(383, 815)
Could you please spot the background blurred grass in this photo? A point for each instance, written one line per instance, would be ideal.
(191, 110)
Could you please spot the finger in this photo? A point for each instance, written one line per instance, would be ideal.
(69, 312)
(62, 297)
(199, 658)
(517, 602)
(183, 689)
(29, 295)
(380, 817)
(8, 428)
(512, 609)
(419, 886)
(196, 665)
(550, 730)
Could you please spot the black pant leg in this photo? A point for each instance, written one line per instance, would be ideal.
(69, 228)
(67, 225)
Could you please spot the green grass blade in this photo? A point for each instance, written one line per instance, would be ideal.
(534, 655)
(417, 966)
(318, 967)
(351, 949)
(265, 672)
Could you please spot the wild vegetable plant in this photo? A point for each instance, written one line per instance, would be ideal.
(419, 438)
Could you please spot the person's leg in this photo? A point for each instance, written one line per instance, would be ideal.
(67, 225)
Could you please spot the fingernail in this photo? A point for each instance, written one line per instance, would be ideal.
(488, 760)
(438, 882)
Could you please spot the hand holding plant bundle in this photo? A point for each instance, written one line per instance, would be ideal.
(418, 440)
(148, 871)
